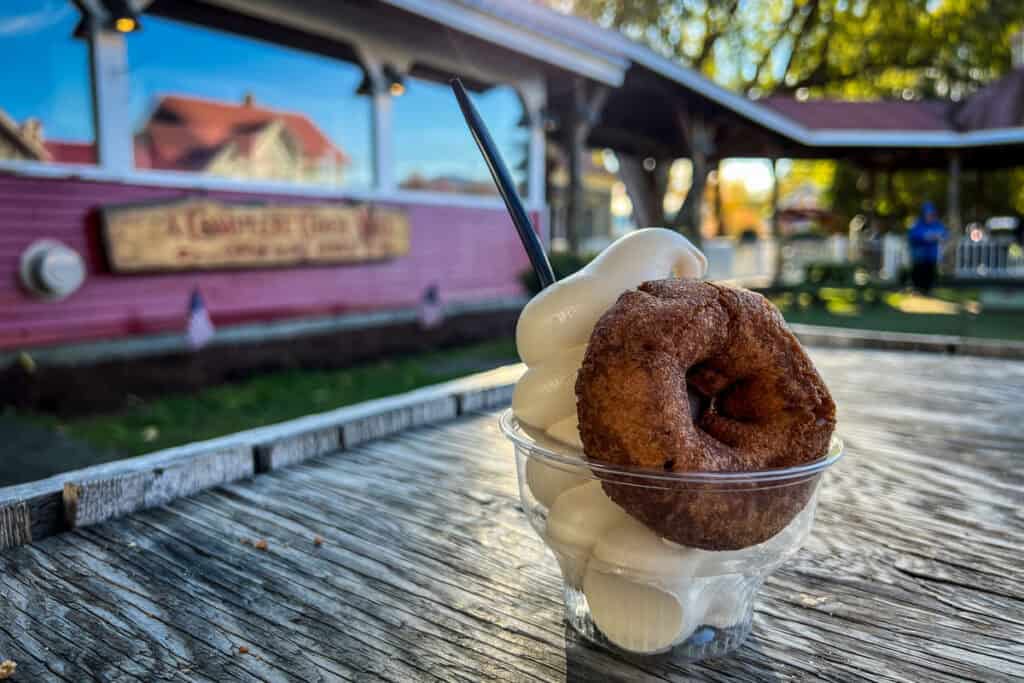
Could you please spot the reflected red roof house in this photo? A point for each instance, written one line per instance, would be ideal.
(449, 183)
(26, 142)
(193, 134)
(64, 152)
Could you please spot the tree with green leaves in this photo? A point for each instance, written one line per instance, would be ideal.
(849, 49)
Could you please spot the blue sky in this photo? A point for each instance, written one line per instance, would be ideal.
(45, 71)
(169, 57)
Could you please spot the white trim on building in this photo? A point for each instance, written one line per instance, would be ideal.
(184, 180)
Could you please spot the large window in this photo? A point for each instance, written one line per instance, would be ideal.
(433, 148)
(203, 101)
(46, 97)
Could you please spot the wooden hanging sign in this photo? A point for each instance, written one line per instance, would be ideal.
(203, 234)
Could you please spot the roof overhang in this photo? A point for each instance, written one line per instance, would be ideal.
(472, 18)
(571, 30)
(574, 45)
(993, 137)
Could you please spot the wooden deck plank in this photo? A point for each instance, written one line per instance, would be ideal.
(427, 569)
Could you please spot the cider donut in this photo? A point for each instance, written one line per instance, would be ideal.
(766, 407)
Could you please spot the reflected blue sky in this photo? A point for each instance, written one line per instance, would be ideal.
(431, 137)
(169, 57)
(45, 70)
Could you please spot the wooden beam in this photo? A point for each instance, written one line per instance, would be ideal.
(634, 143)
(719, 213)
(776, 225)
(96, 500)
(15, 525)
(953, 193)
(700, 139)
(586, 111)
(646, 189)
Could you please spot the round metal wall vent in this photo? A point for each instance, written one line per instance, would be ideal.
(52, 270)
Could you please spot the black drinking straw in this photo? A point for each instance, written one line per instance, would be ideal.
(506, 187)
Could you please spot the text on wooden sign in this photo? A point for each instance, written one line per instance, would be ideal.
(206, 234)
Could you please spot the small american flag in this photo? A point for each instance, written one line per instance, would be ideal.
(200, 327)
(431, 312)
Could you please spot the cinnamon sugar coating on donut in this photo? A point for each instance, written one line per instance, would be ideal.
(767, 406)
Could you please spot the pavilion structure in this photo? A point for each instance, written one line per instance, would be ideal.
(664, 111)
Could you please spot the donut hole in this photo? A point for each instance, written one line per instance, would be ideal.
(712, 391)
(699, 404)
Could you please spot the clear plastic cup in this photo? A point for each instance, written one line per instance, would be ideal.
(628, 588)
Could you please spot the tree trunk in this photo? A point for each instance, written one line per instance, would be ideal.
(776, 225)
(719, 211)
(646, 189)
(700, 138)
(586, 112)
(688, 218)
(575, 147)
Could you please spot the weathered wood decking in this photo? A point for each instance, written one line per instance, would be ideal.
(428, 570)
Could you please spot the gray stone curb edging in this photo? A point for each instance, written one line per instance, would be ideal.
(843, 338)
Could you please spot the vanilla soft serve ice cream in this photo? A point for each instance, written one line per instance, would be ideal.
(555, 326)
(551, 338)
(642, 592)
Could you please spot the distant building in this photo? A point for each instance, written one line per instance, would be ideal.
(450, 184)
(24, 142)
(599, 224)
(65, 152)
(237, 141)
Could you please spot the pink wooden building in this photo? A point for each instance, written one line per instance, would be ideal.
(305, 103)
(269, 103)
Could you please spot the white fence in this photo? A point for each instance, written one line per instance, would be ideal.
(747, 262)
(990, 258)
(753, 263)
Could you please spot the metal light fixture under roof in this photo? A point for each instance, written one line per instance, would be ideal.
(396, 84)
(121, 17)
(365, 85)
(394, 80)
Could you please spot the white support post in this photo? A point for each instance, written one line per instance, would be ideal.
(372, 60)
(533, 93)
(383, 139)
(953, 193)
(534, 96)
(111, 97)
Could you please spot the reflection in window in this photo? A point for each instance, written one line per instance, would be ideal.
(241, 108)
(46, 98)
(434, 150)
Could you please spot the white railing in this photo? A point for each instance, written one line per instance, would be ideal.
(748, 263)
(753, 263)
(990, 258)
(797, 254)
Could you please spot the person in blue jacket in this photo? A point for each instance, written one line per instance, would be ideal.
(926, 238)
